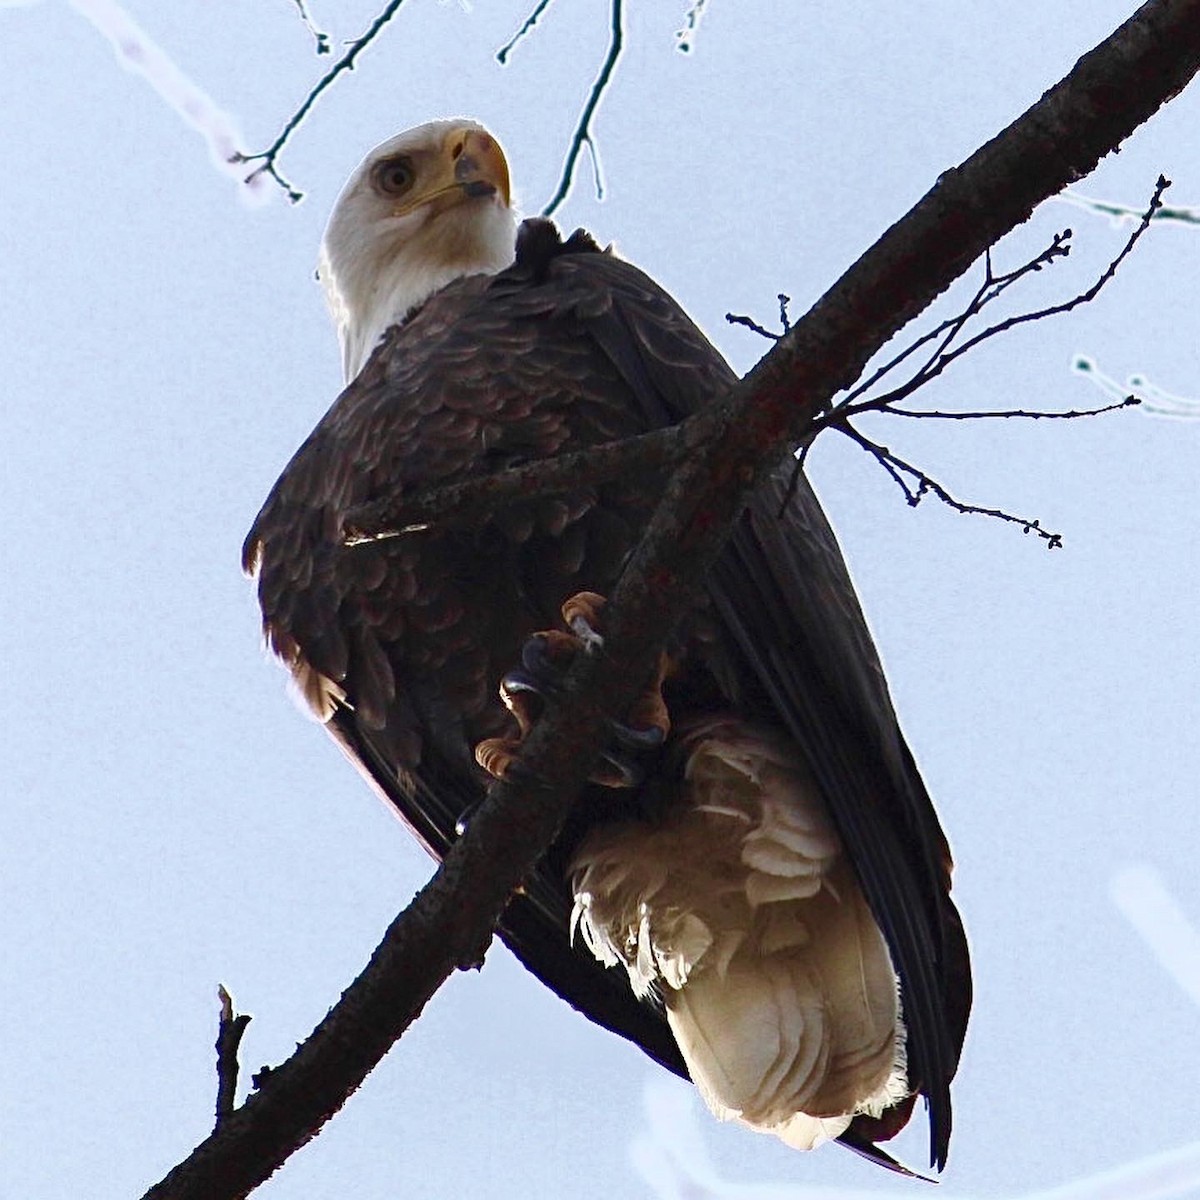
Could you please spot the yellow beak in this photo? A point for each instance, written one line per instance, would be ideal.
(469, 165)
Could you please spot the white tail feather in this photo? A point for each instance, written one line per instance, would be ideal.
(740, 904)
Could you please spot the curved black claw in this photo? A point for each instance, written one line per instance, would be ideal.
(638, 741)
(464, 817)
(539, 674)
(538, 683)
(626, 760)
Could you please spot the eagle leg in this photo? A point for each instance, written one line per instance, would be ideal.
(537, 683)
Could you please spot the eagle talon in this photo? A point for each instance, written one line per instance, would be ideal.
(524, 684)
(619, 770)
(546, 658)
(639, 740)
(537, 682)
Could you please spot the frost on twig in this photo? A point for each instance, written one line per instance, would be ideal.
(685, 36)
(944, 345)
(1120, 213)
(137, 52)
(1154, 401)
(319, 37)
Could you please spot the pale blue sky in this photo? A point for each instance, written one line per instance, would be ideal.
(170, 820)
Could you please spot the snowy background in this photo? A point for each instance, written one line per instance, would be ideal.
(169, 819)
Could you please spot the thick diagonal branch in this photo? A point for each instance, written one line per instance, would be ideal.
(1109, 93)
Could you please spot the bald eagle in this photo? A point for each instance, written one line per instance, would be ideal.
(761, 902)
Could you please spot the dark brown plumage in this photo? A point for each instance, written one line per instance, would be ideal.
(400, 643)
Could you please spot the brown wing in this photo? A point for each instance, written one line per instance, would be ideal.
(572, 347)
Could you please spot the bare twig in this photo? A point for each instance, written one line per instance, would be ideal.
(526, 27)
(947, 332)
(583, 129)
(1111, 91)
(267, 158)
(944, 335)
(1031, 414)
(750, 323)
(988, 292)
(473, 500)
(992, 287)
(784, 317)
(925, 485)
(1067, 305)
(321, 39)
(229, 1038)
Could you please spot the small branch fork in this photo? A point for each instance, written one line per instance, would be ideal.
(581, 138)
(583, 129)
(922, 485)
(914, 482)
(750, 323)
(267, 158)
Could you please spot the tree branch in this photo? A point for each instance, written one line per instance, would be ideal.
(947, 356)
(1029, 414)
(583, 129)
(730, 446)
(267, 158)
(926, 485)
(990, 290)
(526, 28)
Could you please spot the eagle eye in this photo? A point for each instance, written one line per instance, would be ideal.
(395, 176)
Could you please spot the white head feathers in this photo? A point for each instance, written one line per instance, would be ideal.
(423, 209)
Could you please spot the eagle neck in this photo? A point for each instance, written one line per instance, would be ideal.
(371, 291)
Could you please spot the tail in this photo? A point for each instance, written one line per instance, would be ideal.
(742, 908)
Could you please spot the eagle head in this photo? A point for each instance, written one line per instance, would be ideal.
(424, 208)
